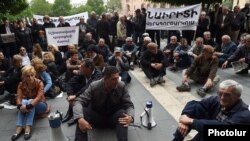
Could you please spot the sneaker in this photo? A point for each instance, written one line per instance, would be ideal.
(152, 82)
(183, 88)
(201, 92)
(132, 67)
(160, 80)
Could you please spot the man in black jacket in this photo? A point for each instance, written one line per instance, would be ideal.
(154, 63)
(9, 49)
(121, 63)
(79, 83)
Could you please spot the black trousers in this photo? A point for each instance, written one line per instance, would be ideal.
(97, 120)
(151, 73)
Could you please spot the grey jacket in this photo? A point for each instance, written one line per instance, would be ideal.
(95, 96)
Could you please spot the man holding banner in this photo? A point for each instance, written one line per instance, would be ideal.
(8, 38)
(181, 18)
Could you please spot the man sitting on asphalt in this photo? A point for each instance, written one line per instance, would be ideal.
(226, 108)
(154, 64)
(121, 63)
(242, 54)
(105, 103)
(203, 70)
(79, 83)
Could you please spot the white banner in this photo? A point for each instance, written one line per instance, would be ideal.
(62, 36)
(180, 18)
(72, 20)
(8, 38)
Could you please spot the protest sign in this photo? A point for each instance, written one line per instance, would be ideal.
(62, 36)
(72, 20)
(8, 38)
(181, 18)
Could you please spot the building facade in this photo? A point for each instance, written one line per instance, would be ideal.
(129, 6)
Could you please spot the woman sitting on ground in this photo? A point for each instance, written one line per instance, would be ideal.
(43, 75)
(30, 101)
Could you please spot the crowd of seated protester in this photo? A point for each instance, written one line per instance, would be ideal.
(59, 67)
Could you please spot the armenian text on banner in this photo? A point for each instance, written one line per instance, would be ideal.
(181, 18)
(62, 36)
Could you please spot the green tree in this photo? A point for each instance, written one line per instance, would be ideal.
(96, 5)
(40, 7)
(80, 9)
(12, 7)
(114, 5)
(61, 8)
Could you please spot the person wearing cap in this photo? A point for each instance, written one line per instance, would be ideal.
(203, 71)
(226, 108)
(121, 63)
(154, 63)
(93, 53)
(129, 49)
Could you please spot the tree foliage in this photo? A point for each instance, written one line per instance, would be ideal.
(114, 5)
(61, 8)
(40, 7)
(96, 5)
(186, 2)
(80, 9)
(12, 7)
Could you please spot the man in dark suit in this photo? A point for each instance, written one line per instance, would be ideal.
(9, 49)
(224, 22)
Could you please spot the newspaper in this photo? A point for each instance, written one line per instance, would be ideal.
(238, 66)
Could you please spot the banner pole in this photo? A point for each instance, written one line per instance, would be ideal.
(197, 25)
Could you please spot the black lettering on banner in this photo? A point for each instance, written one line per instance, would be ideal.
(176, 23)
(226, 132)
(174, 14)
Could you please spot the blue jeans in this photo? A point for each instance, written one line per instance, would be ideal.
(27, 118)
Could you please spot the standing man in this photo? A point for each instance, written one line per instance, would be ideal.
(9, 49)
(105, 103)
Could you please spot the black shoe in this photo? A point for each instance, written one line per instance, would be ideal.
(16, 136)
(1, 107)
(71, 122)
(183, 88)
(152, 82)
(160, 80)
(201, 92)
(245, 71)
(173, 68)
(27, 135)
(132, 67)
